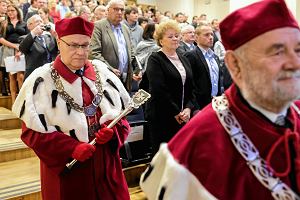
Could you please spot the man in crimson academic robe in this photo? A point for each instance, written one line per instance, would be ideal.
(66, 104)
(244, 145)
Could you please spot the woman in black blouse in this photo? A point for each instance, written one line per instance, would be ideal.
(9, 38)
(170, 84)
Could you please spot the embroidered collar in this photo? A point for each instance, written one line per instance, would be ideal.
(68, 75)
(259, 167)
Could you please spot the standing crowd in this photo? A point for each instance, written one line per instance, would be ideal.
(84, 60)
(163, 54)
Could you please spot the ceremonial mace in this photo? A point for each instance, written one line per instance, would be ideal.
(139, 98)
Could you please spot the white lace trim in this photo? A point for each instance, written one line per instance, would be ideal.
(258, 166)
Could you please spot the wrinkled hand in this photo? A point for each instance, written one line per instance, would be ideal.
(38, 30)
(83, 152)
(104, 135)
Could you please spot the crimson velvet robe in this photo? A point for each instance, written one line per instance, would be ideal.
(201, 159)
(205, 149)
(100, 177)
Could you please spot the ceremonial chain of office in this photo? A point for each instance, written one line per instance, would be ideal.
(249, 152)
(88, 110)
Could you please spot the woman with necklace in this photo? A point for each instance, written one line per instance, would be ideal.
(9, 38)
(171, 86)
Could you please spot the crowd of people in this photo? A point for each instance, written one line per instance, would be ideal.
(124, 38)
(83, 61)
(245, 144)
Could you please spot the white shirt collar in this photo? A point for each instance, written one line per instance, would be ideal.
(189, 45)
(209, 51)
(270, 115)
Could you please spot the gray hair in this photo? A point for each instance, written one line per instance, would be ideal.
(100, 7)
(187, 27)
(241, 53)
(84, 9)
(111, 2)
(32, 18)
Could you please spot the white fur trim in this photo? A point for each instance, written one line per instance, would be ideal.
(41, 103)
(179, 182)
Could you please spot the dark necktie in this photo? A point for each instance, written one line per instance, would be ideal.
(42, 39)
(79, 72)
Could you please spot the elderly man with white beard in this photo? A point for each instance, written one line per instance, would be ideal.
(245, 144)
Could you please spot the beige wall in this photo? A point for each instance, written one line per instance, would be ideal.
(298, 11)
(214, 9)
(175, 6)
(146, 2)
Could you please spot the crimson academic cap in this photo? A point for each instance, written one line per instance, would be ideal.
(251, 21)
(75, 25)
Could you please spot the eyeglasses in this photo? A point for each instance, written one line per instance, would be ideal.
(118, 9)
(77, 46)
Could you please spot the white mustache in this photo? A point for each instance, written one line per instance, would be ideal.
(289, 74)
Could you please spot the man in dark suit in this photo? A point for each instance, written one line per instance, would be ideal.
(188, 39)
(37, 47)
(111, 44)
(210, 78)
(216, 30)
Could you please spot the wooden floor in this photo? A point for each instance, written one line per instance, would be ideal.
(137, 194)
(19, 166)
(22, 182)
(8, 120)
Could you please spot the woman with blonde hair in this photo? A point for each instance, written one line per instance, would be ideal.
(170, 84)
(12, 29)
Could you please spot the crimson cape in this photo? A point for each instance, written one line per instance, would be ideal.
(207, 163)
(100, 177)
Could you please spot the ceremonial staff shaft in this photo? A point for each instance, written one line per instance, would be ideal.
(139, 98)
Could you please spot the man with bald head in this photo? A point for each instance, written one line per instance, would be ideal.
(246, 143)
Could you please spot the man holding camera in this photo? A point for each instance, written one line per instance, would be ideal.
(37, 47)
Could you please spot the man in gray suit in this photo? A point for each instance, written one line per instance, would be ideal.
(111, 44)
